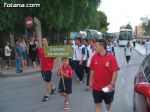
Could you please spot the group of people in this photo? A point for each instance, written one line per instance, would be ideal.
(90, 57)
(22, 50)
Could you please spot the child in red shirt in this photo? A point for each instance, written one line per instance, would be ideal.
(65, 84)
(46, 64)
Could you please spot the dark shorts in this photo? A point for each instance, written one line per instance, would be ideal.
(127, 58)
(99, 96)
(68, 86)
(47, 75)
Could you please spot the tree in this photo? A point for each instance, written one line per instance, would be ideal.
(146, 25)
(128, 26)
(58, 17)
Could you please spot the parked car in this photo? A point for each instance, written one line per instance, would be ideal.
(141, 97)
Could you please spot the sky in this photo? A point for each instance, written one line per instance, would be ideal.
(122, 12)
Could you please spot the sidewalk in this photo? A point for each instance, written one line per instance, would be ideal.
(140, 49)
(30, 70)
(12, 71)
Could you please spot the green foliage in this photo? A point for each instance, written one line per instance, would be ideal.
(68, 15)
(128, 26)
(146, 25)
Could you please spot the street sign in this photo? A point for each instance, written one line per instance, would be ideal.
(29, 22)
(58, 51)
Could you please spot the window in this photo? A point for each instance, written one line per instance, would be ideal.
(125, 35)
(146, 68)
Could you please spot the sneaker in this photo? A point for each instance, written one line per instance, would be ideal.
(66, 105)
(45, 99)
(81, 82)
(107, 111)
(87, 89)
(53, 90)
(20, 71)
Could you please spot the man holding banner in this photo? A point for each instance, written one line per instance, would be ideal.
(46, 70)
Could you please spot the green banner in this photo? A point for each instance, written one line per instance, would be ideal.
(58, 51)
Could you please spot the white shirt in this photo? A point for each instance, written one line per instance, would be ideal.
(128, 51)
(134, 40)
(110, 48)
(91, 53)
(147, 45)
(78, 52)
(7, 51)
(74, 54)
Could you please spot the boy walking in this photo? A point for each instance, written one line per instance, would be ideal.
(65, 84)
(103, 75)
(81, 59)
(46, 70)
(91, 52)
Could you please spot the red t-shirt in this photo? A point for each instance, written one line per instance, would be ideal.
(67, 70)
(103, 67)
(46, 63)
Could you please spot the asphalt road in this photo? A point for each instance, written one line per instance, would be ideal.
(24, 94)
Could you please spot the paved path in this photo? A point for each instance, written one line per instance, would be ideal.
(140, 49)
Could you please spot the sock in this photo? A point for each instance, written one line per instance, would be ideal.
(107, 111)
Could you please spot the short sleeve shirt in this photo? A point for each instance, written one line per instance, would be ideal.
(45, 62)
(103, 67)
(67, 70)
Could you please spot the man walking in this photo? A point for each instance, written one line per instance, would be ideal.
(103, 75)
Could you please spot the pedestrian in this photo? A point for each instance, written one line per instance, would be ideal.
(32, 50)
(81, 59)
(128, 52)
(7, 54)
(134, 42)
(65, 84)
(24, 52)
(18, 56)
(46, 64)
(91, 52)
(110, 45)
(37, 43)
(147, 47)
(72, 60)
(103, 75)
(85, 42)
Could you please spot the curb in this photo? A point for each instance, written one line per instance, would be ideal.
(139, 52)
(18, 74)
(2, 75)
(24, 73)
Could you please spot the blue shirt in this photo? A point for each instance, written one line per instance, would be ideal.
(18, 50)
